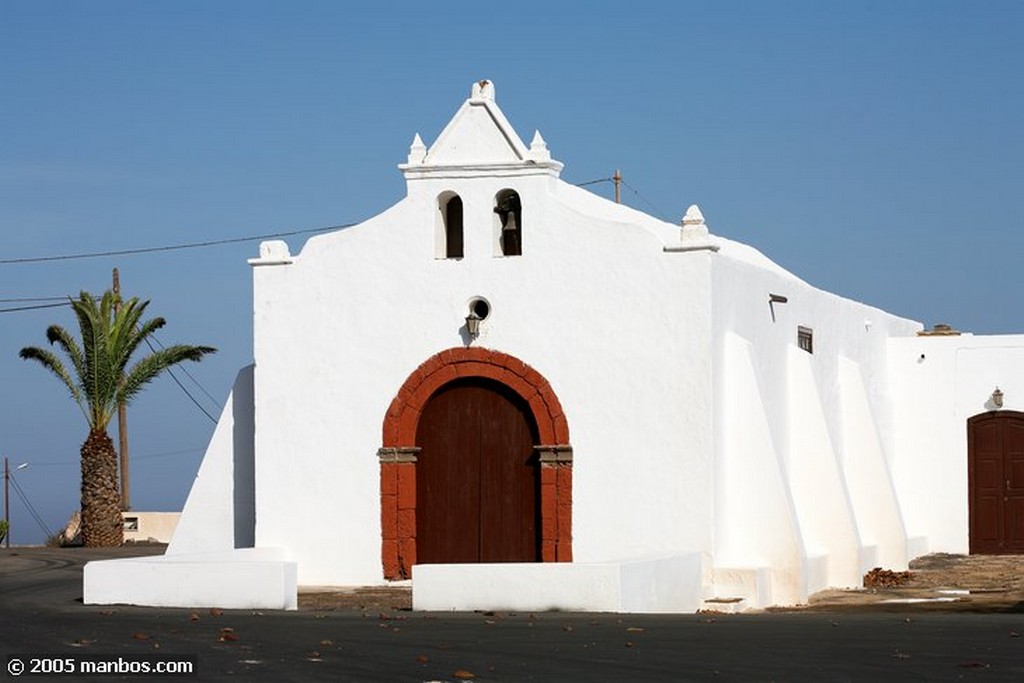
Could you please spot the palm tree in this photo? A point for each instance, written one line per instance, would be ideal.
(99, 377)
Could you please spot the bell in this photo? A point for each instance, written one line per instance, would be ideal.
(510, 222)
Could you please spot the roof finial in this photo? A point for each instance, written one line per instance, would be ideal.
(417, 150)
(694, 217)
(694, 236)
(538, 148)
(482, 90)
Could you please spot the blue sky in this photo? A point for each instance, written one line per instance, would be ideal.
(873, 148)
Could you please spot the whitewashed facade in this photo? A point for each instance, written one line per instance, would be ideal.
(708, 426)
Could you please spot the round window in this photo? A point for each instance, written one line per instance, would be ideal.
(480, 308)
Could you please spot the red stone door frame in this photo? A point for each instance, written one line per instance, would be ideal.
(398, 453)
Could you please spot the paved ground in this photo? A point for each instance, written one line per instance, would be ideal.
(941, 582)
(363, 637)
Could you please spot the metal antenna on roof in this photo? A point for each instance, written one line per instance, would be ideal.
(618, 181)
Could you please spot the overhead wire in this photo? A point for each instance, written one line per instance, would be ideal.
(147, 456)
(199, 245)
(228, 240)
(169, 247)
(33, 307)
(595, 182)
(191, 377)
(645, 200)
(165, 454)
(181, 386)
(31, 509)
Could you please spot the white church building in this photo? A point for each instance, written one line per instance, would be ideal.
(519, 395)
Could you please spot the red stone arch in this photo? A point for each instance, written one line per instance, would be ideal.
(398, 453)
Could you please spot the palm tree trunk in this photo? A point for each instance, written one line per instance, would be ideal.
(102, 526)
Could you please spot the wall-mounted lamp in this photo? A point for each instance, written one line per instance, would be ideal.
(997, 398)
(473, 325)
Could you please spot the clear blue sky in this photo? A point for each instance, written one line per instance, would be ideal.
(873, 148)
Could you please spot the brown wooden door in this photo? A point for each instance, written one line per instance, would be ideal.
(995, 451)
(477, 480)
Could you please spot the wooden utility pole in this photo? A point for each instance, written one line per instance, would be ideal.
(122, 416)
(7, 506)
(618, 181)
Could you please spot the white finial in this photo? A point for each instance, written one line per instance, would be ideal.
(538, 148)
(482, 90)
(272, 253)
(694, 217)
(417, 150)
(694, 236)
(693, 225)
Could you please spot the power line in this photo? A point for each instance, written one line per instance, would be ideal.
(182, 387)
(595, 182)
(168, 247)
(215, 243)
(31, 509)
(34, 307)
(32, 298)
(191, 397)
(168, 453)
(645, 200)
(148, 456)
(194, 380)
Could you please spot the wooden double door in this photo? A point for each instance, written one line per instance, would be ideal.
(477, 476)
(995, 448)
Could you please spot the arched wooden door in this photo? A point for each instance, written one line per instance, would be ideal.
(477, 479)
(995, 452)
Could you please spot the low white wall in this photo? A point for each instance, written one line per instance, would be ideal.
(654, 585)
(251, 578)
(149, 526)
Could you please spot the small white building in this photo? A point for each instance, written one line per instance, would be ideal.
(518, 394)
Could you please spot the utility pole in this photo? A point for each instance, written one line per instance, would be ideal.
(7, 497)
(618, 181)
(122, 416)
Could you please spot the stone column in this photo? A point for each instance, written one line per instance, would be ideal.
(555, 502)
(398, 511)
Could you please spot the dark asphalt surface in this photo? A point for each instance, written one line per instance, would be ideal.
(41, 613)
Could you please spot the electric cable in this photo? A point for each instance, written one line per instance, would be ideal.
(229, 240)
(34, 307)
(31, 509)
(646, 201)
(191, 377)
(168, 247)
(147, 456)
(595, 182)
(181, 386)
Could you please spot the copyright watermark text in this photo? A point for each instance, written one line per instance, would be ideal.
(101, 665)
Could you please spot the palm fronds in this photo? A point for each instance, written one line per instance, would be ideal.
(100, 373)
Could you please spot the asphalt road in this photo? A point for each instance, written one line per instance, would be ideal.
(41, 613)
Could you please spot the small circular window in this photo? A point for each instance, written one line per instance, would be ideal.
(480, 307)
